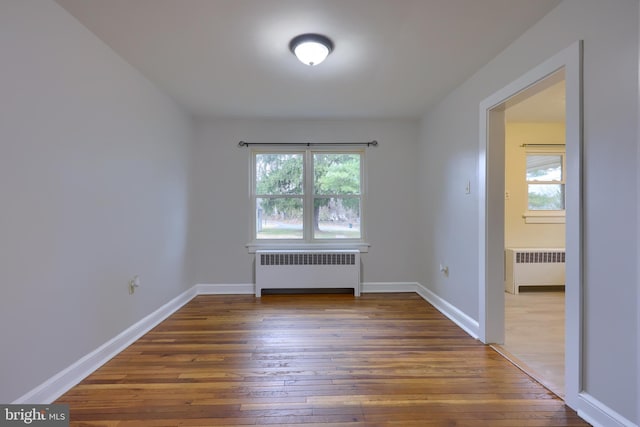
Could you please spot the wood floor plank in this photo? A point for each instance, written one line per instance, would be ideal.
(534, 335)
(311, 360)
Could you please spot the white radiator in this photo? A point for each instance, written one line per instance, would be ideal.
(533, 267)
(307, 269)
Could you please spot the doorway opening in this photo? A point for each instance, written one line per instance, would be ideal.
(535, 178)
(493, 111)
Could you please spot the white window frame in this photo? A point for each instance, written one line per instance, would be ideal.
(545, 216)
(308, 196)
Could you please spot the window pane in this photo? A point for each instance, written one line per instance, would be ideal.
(336, 218)
(544, 167)
(279, 173)
(336, 174)
(279, 218)
(546, 197)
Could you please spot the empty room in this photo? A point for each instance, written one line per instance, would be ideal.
(204, 223)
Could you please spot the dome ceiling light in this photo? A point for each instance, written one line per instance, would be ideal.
(311, 49)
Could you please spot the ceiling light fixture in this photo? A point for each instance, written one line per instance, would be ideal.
(311, 49)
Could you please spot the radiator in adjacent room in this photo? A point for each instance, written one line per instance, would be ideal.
(307, 269)
(533, 267)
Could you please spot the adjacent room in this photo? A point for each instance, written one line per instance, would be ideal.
(159, 157)
(535, 250)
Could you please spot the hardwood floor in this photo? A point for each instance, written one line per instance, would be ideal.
(377, 360)
(534, 336)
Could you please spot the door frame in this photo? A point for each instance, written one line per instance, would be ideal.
(491, 211)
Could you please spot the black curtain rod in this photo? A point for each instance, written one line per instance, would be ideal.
(308, 144)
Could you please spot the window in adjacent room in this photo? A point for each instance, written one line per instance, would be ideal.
(307, 195)
(545, 180)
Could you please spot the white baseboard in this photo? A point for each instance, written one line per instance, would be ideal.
(387, 287)
(217, 289)
(468, 324)
(465, 322)
(598, 414)
(60, 383)
(592, 410)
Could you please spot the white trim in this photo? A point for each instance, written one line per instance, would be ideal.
(547, 216)
(464, 321)
(591, 409)
(598, 414)
(491, 168)
(491, 207)
(308, 195)
(388, 287)
(60, 383)
(252, 247)
(544, 217)
(220, 289)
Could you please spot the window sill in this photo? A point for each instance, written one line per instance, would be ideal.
(544, 217)
(252, 247)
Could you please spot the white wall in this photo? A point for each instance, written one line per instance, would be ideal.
(518, 233)
(93, 185)
(449, 216)
(449, 149)
(220, 225)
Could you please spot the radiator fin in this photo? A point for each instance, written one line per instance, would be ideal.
(307, 259)
(540, 257)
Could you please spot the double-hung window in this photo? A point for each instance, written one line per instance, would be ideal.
(307, 195)
(545, 180)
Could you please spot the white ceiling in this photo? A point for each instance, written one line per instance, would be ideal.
(230, 58)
